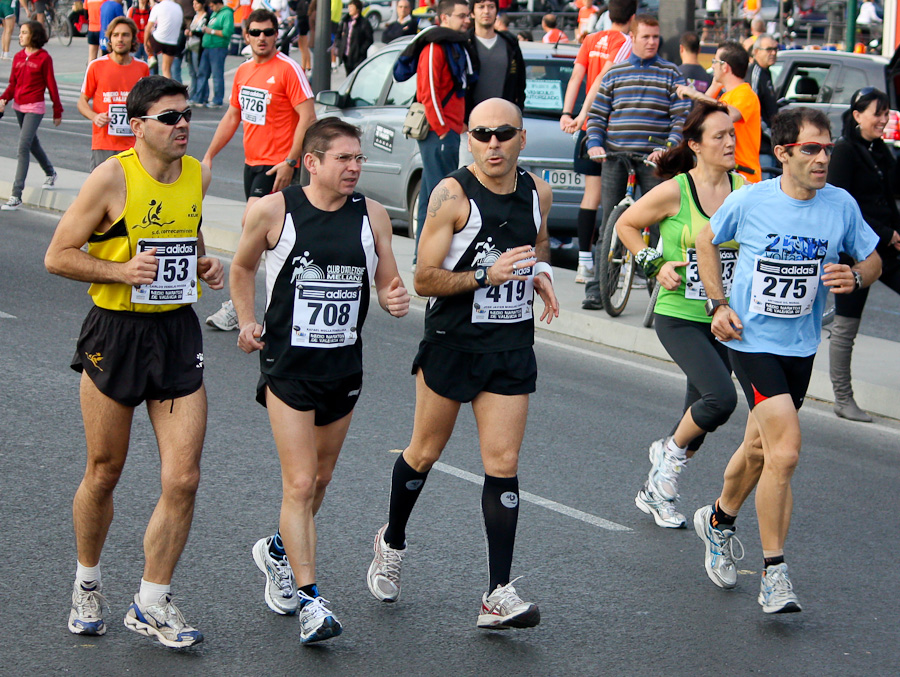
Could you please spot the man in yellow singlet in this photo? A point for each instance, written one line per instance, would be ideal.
(140, 217)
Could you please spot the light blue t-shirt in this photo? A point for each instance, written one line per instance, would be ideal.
(784, 245)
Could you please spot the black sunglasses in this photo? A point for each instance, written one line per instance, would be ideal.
(503, 133)
(860, 93)
(812, 148)
(170, 117)
(256, 32)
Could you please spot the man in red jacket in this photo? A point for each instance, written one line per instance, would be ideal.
(444, 107)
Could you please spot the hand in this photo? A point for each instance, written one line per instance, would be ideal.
(544, 287)
(101, 119)
(895, 240)
(248, 339)
(57, 121)
(579, 122)
(667, 276)
(507, 265)
(211, 271)
(397, 300)
(2, 105)
(726, 325)
(207, 160)
(840, 278)
(141, 269)
(686, 92)
(654, 156)
(283, 174)
(565, 123)
(597, 154)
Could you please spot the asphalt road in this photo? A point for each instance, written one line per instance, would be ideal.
(618, 595)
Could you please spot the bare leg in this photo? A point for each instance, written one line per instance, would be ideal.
(501, 428)
(180, 428)
(686, 432)
(93, 51)
(165, 61)
(591, 197)
(432, 427)
(303, 45)
(107, 427)
(743, 470)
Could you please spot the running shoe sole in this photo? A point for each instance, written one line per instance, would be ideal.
(329, 628)
(645, 507)
(138, 626)
(788, 608)
(527, 618)
(259, 557)
(79, 627)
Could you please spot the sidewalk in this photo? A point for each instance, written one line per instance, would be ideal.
(875, 365)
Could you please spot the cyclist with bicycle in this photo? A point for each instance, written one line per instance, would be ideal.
(682, 206)
(637, 100)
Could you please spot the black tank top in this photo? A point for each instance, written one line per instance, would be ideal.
(497, 318)
(317, 290)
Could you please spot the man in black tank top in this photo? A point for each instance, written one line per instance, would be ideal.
(325, 245)
(483, 252)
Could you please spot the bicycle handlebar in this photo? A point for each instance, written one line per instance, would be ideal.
(627, 155)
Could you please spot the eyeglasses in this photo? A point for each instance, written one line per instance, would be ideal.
(345, 158)
(767, 49)
(170, 117)
(256, 32)
(811, 148)
(503, 133)
(715, 61)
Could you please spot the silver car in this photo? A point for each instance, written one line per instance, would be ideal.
(371, 99)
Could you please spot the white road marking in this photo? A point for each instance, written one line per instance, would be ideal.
(6, 316)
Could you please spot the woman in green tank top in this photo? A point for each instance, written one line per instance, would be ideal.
(702, 166)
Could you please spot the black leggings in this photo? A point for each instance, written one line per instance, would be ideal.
(852, 305)
(710, 395)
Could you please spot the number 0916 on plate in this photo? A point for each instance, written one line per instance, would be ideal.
(563, 178)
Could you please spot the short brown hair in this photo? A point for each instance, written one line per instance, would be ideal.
(643, 19)
(38, 34)
(322, 133)
(261, 16)
(118, 21)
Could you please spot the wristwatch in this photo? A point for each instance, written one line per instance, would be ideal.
(712, 304)
(857, 280)
(291, 163)
(481, 277)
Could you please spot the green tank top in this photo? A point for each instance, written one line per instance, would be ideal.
(678, 234)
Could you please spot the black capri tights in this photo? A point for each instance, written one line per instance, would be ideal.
(710, 395)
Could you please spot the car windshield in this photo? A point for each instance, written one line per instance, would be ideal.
(545, 86)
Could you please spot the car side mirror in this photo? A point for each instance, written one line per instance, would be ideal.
(329, 97)
(782, 102)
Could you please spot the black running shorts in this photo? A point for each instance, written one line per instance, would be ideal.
(461, 376)
(764, 375)
(581, 163)
(93, 37)
(256, 183)
(132, 357)
(164, 47)
(331, 400)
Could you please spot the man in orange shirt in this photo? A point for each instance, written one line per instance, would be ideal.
(92, 7)
(107, 83)
(598, 53)
(273, 99)
(729, 68)
(587, 20)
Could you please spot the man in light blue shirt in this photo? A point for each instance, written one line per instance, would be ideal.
(790, 231)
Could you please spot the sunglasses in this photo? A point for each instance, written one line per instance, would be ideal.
(170, 117)
(810, 148)
(256, 32)
(503, 133)
(860, 93)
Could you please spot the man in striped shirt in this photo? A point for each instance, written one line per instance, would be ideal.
(637, 101)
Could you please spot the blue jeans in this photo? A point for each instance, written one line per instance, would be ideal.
(440, 157)
(29, 145)
(176, 68)
(212, 62)
(192, 59)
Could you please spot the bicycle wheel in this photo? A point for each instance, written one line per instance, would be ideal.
(648, 314)
(63, 29)
(616, 267)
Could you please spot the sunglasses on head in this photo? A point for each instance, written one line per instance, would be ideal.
(256, 32)
(170, 117)
(503, 133)
(860, 93)
(811, 148)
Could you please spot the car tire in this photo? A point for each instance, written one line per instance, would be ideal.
(413, 208)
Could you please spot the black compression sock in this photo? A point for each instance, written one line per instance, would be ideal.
(500, 508)
(721, 518)
(276, 547)
(772, 561)
(406, 485)
(586, 223)
(310, 590)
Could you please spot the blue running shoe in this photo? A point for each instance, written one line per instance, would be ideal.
(317, 623)
(86, 615)
(163, 621)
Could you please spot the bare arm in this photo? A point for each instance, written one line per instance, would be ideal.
(543, 283)
(224, 131)
(840, 277)
(566, 121)
(688, 92)
(209, 268)
(392, 295)
(726, 325)
(591, 95)
(85, 108)
(283, 171)
(261, 230)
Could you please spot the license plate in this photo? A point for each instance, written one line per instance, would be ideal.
(561, 178)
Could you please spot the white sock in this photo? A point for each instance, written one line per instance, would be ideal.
(151, 592)
(675, 450)
(586, 259)
(85, 574)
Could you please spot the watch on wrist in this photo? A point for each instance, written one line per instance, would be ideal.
(481, 277)
(712, 304)
(857, 280)
(290, 163)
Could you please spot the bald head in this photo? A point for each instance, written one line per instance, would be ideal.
(495, 112)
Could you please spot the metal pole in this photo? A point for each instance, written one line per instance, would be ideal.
(850, 38)
(321, 75)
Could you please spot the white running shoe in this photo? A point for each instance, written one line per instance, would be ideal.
(281, 588)
(720, 557)
(316, 621)
(663, 511)
(583, 274)
(86, 614)
(225, 318)
(776, 594)
(665, 470)
(383, 577)
(162, 620)
(503, 609)
(12, 204)
(49, 182)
